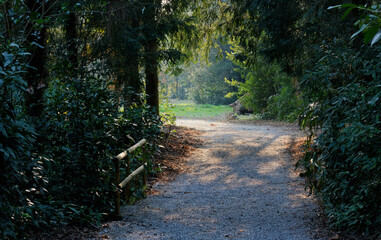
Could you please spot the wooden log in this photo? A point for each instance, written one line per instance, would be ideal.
(133, 174)
(130, 150)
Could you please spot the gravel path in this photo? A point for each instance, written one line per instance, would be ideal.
(242, 186)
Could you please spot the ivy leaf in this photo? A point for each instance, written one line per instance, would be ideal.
(39, 21)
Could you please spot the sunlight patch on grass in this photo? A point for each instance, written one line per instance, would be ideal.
(188, 109)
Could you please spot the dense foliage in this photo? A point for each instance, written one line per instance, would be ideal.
(88, 130)
(345, 163)
(16, 139)
(62, 173)
(343, 117)
(335, 78)
(267, 90)
(72, 97)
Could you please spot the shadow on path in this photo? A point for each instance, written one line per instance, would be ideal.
(242, 187)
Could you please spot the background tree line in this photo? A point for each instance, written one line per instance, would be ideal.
(205, 80)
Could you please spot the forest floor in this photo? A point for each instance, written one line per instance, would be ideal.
(237, 182)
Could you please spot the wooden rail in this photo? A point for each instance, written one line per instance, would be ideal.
(133, 174)
(122, 155)
(121, 185)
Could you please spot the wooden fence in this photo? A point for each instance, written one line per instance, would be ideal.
(121, 185)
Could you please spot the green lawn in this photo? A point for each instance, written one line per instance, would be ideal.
(188, 109)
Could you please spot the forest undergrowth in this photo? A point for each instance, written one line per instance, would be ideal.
(169, 160)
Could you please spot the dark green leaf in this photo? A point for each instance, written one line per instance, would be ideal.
(8, 58)
(347, 12)
(376, 38)
(370, 33)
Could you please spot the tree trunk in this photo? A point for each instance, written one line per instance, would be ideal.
(37, 74)
(152, 77)
(115, 18)
(124, 19)
(8, 26)
(71, 40)
(151, 54)
(134, 75)
(177, 89)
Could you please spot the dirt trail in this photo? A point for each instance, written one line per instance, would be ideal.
(242, 186)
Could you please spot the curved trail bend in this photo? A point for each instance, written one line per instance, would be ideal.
(242, 186)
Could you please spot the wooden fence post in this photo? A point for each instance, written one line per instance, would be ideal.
(120, 185)
(117, 192)
(128, 189)
(145, 170)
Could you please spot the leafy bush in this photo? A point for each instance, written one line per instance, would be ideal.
(344, 166)
(18, 171)
(83, 129)
(166, 109)
(59, 169)
(267, 90)
(285, 105)
(22, 175)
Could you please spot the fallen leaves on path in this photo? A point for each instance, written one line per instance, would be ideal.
(70, 232)
(175, 149)
(297, 148)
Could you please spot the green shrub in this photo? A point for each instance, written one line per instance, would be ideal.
(19, 172)
(268, 91)
(83, 128)
(166, 109)
(59, 169)
(344, 166)
(286, 104)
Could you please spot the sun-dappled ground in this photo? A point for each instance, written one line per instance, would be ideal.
(241, 184)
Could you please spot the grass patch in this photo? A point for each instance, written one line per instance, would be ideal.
(188, 109)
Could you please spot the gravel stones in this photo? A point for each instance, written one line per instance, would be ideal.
(242, 186)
